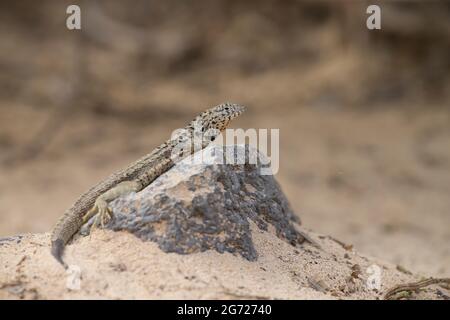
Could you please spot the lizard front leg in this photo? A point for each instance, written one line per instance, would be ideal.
(101, 210)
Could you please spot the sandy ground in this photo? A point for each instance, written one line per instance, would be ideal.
(117, 265)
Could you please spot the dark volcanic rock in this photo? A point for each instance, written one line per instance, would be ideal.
(201, 205)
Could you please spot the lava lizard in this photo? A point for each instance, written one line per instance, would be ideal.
(135, 177)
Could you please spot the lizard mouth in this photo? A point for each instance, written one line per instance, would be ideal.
(239, 110)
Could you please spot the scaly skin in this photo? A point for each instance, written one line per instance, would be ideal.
(138, 175)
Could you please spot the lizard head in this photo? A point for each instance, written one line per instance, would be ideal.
(206, 127)
(219, 116)
(213, 121)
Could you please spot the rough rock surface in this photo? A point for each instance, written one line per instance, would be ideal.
(207, 204)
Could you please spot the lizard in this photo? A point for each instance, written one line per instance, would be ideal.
(93, 204)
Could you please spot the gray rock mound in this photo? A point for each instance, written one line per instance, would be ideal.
(203, 204)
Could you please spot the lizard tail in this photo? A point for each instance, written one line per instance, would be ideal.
(65, 228)
(58, 250)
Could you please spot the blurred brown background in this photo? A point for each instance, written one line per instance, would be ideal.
(364, 116)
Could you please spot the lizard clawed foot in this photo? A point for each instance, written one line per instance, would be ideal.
(99, 215)
(104, 214)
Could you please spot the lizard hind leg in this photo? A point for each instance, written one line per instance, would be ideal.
(101, 211)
